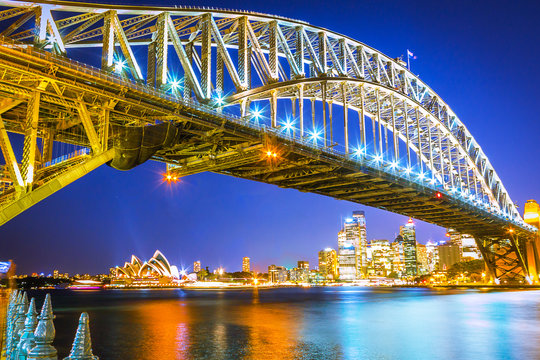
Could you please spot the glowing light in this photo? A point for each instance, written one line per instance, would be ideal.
(378, 158)
(510, 231)
(119, 66)
(359, 152)
(288, 125)
(393, 164)
(256, 114)
(315, 135)
(408, 170)
(421, 176)
(438, 195)
(269, 153)
(176, 84)
(219, 99)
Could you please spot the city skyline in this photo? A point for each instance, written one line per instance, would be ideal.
(106, 212)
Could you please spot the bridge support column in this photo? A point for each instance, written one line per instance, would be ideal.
(301, 108)
(273, 108)
(532, 260)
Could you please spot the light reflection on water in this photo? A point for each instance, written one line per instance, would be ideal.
(300, 323)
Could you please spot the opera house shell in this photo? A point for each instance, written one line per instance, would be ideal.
(157, 270)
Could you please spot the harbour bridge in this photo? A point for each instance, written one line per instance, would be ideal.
(244, 94)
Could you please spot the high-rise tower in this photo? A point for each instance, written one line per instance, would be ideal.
(408, 232)
(352, 246)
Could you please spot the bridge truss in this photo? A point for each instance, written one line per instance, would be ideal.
(244, 94)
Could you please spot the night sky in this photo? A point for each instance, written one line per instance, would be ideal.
(480, 56)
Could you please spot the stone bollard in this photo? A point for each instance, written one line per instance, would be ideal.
(27, 337)
(18, 324)
(12, 320)
(82, 345)
(44, 335)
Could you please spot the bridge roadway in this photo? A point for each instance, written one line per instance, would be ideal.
(125, 123)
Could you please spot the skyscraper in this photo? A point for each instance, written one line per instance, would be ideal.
(197, 266)
(398, 256)
(328, 264)
(346, 257)
(352, 248)
(381, 258)
(303, 265)
(422, 257)
(245, 265)
(408, 232)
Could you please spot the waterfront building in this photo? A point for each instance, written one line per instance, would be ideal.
(246, 267)
(197, 266)
(408, 233)
(432, 253)
(346, 258)
(466, 243)
(448, 256)
(469, 248)
(352, 248)
(328, 265)
(299, 274)
(422, 257)
(303, 264)
(398, 256)
(381, 258)
(277, 274)
(155, 271)
(56, 274)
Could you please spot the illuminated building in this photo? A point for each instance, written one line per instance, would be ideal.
(408, 233)
(352, 248)
(328, 265)
(55, 274)
(299, 274)
(157, 270)
(422, 257)
(466, 243)
(469, 248)
(432, 253)
(381, 258)
(448, 256)
(197, 266)
(531, 213)
(303, 265)
(346, 258)
(398, 256)
(277, 274)
(245, 265)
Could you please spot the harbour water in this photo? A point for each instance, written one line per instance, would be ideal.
(302, 323)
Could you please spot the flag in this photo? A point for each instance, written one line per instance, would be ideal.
(410, 54)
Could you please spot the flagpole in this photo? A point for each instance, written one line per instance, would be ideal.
(408, 61)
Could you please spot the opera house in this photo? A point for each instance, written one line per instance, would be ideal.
(155, 272)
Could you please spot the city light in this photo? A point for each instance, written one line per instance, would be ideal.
(168, 177)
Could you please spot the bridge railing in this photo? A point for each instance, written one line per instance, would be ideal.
(364, 159)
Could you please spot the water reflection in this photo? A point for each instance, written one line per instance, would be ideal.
(323, 323)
